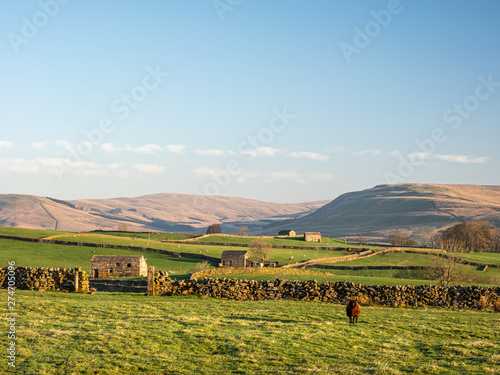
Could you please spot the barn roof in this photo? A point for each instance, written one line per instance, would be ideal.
(312, 233)
(234, 252)
(117, 257)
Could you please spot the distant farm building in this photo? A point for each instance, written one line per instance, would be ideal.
(234, 258)
(118, 265)
(312, 236)
(286, 232)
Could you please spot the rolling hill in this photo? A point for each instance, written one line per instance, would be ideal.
(420, 209)
(160, 212)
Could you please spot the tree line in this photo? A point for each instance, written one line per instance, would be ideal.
(470, 236)
(475, 236)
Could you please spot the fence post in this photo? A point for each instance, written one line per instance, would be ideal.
(77, 271)
(151, 281)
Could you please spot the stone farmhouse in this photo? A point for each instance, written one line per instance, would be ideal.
(287, 232)
(239, 258)
(234, 258)
(312, 236)
(118, 265)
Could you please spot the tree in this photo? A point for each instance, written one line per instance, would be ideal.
(495, 246)
(361, 239)
(123, 228)
(401, 238)
(242, 231)
(447, 269)
(469, 236)
(260, 249)
(214, 228)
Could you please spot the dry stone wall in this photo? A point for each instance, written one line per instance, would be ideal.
(333, 292)
(41, 279)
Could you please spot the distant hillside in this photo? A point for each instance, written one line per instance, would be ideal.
(161, 212)
(422, 209)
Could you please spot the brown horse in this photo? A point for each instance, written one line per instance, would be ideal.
(353, 310)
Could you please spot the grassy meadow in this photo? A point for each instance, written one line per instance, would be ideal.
(118, 333)
(32, 254)
(129, 333)
(52, 255)
(283, 241)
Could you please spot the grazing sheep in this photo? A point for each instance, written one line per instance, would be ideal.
(353, 310)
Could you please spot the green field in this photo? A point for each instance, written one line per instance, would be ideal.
(115, 334)
(280, 255)
(51, 255)
(32, 254)
(288, 241)
(156, 236)
(28, 233)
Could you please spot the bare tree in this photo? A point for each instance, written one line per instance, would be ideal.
(214, 228)
(242, 230)
(260, 249)
(469, 236)
(401, 238)
(361, 239)
(447, 269)
(495, 246)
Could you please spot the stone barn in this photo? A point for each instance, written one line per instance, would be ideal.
(118, 265)
(234, 258)
(312, 236)
(287, 232)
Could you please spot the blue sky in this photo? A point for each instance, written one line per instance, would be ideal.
(284, 101)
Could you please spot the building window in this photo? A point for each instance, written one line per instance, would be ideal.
(110, 270)
(129, 265)
(117, 264)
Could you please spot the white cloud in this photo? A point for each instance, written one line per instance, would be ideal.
(308, 155)
(243, 176)
(208, 171)
(108, 147)
(62, 166)
(68, 146)
(39, 146)
(286, 176)
(365, 152)
(321, 177)
(261, 151)
(212, 152)
(19, 166)
(6, 144)
(149, 168)
(145, 149)
(177, 149)
(463, 159)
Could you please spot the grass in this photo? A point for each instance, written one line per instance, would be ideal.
(288, 241)
(392, 259)
(32, 254)
(61, 333)
(280, 255)
(28, 233)
(213, 251)
(153, 236)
